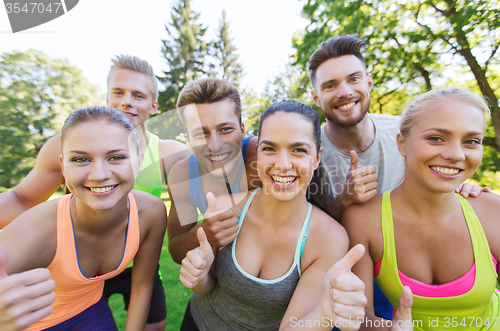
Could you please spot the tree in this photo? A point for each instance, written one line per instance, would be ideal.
(290, 84)
(411, 44)
(226, 64)
(37, 93)
(184, 51)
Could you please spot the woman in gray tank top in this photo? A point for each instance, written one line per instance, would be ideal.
(277, 274)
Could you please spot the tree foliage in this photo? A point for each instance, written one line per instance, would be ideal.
(185, 52)
(290, 84)
(226, 65)
(37, 93)
(413, 45)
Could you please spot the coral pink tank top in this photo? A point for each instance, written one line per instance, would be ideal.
(74, 291)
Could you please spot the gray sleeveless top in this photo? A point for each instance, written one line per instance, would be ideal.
(240, 301)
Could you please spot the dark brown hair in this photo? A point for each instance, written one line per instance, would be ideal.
(332, 48)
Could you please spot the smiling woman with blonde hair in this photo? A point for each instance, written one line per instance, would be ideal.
(423, 235)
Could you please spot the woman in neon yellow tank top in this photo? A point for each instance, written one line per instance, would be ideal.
(424, 236)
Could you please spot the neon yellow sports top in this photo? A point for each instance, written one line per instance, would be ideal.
(150, 179)
(476, 309)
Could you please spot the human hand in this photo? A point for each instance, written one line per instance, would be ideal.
(402, 320)
(197, 263)
(361, 183)
(467, 189)
(344, 297)
(25, 298)
(220, 226)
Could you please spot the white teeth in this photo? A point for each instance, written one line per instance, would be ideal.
(347, 106)
(219, 157)
(445, 171)
(102, 189)
(283, 180)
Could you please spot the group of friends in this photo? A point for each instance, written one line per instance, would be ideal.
(293, 236)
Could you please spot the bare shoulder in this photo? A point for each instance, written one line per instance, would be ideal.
(363, 217)
(487, 208)
(51, 150)
(327, 226)
(251, 152)
(235, 201)
(179, 172)
(173, 149)
(327, 239)
(44, 214)
(33, 231)
(150, 207)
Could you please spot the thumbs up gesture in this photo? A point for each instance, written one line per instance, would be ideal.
(344, 297)
(402, 319)
(25, 298)
(220, 226)
(361, 183)
(197, 263)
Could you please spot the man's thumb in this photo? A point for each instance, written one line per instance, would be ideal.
(354, 161)
(4, 258)
(212, 203)
(202, 239)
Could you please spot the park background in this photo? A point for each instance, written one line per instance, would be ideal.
(261, 46)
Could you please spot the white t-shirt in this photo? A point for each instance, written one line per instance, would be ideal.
(383, 155)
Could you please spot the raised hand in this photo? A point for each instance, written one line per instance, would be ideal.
(344, 297)
(25, 298)
(197, 263)
(402, 320)
(361, 183)
(220, 226)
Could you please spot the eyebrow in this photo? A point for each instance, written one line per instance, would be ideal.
(109, 152)
(334, 80)
(123, 89)
(448, 132)
(296, 144)
(220, 125)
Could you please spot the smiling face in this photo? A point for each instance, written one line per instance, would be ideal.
(342, 90)
(443, 147)
(131, 92)
(286, 155)
(215, 135)
(98, 163)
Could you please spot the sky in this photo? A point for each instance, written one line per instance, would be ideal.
(94, 31)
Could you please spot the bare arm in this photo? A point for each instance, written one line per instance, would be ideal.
(181, 238)
(171, 152)
(359, 224)
(25, 298)
(221, 227)
(153, 220)
(42, 181)
(321, 283)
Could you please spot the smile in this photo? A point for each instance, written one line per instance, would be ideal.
(102, 189)
(218, 158)
(445, 171)
(346, 106)
(283, 180)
